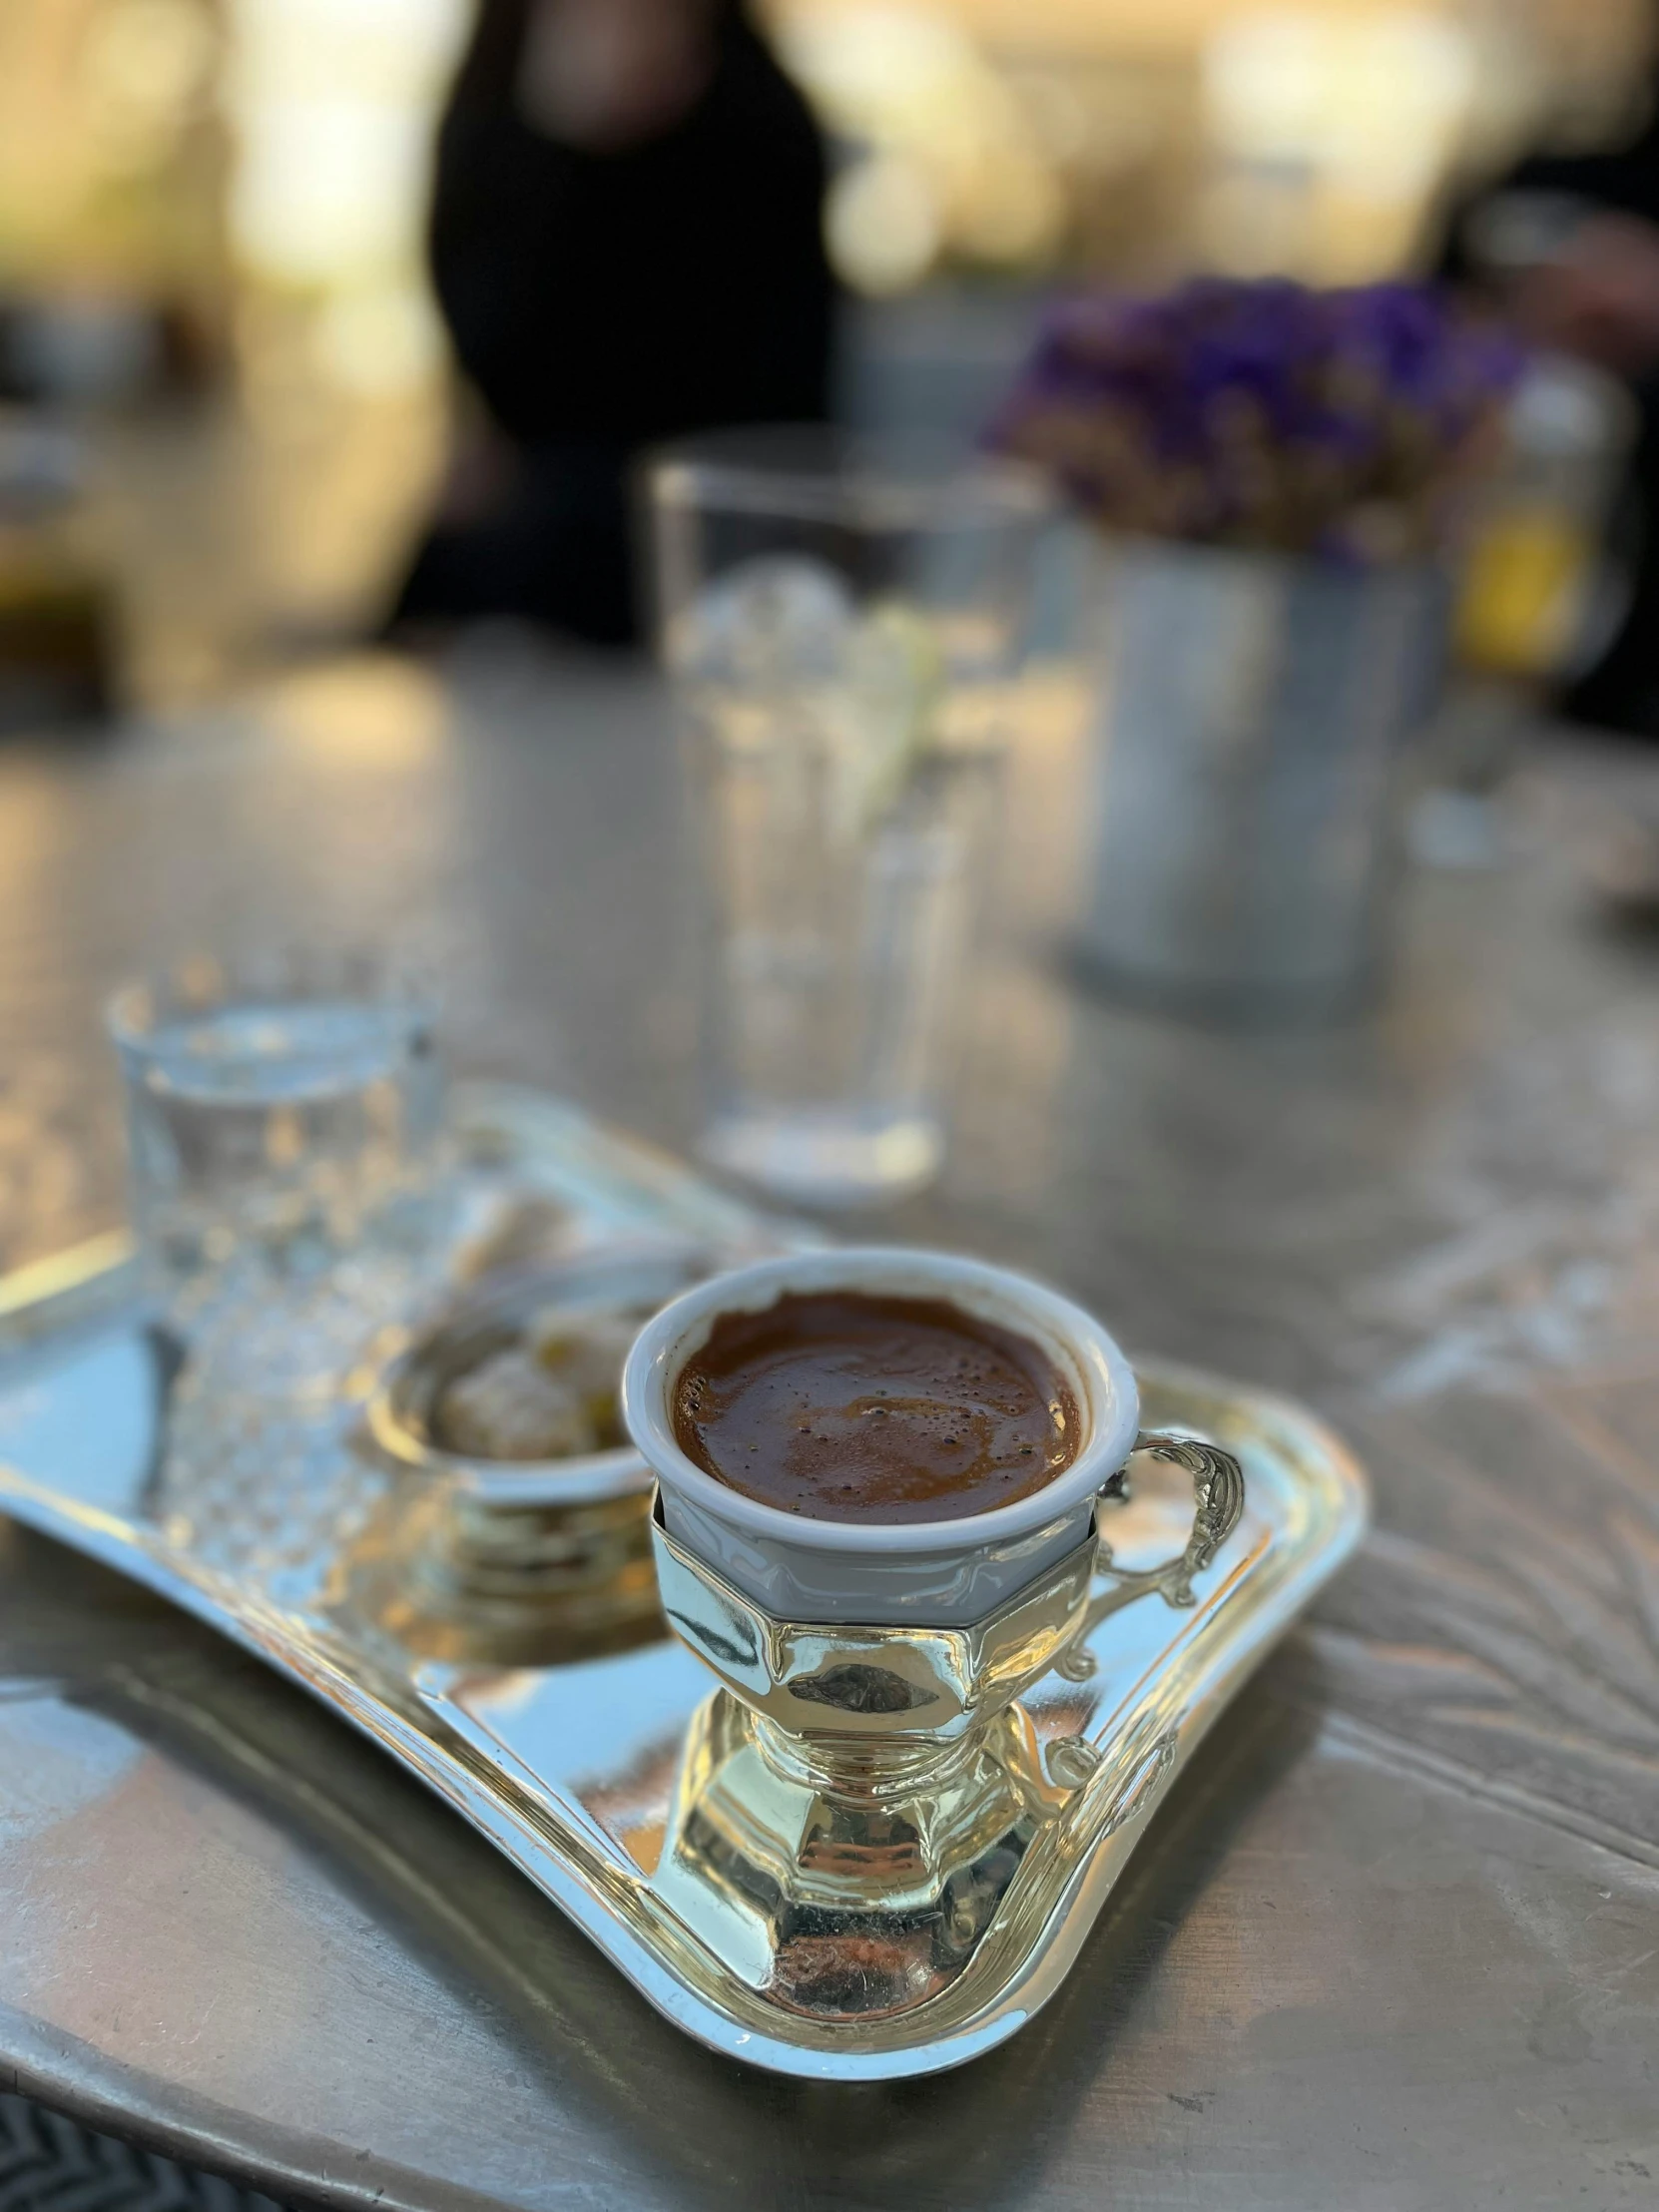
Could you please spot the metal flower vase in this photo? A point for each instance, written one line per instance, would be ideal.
(1250, 743)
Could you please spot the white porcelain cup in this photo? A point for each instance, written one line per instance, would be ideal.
(935, 1574)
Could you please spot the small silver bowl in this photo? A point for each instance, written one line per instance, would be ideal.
(402, 1412)
(561, 1544)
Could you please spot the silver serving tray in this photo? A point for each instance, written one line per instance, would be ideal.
(570, 1765)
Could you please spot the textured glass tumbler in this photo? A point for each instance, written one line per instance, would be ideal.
(284, 1131)
(840, 623)
(280, 1116)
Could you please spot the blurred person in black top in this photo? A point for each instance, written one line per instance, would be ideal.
(1572, 243)
(627, 245)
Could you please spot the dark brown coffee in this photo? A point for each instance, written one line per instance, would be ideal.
(844, 1407)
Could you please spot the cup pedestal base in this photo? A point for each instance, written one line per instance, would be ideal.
(850, 1878)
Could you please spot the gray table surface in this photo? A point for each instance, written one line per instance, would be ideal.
(1393, 1943)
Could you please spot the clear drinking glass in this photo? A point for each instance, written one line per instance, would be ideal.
(840, 621)
(280, 1114)
(284, 1130)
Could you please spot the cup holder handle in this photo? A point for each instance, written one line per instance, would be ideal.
(1218, 1494)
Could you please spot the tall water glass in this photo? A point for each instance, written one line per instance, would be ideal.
(841, 622)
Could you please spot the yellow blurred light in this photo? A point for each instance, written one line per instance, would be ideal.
(384, 340)
(375, 711)
(151, 59)
(329, 189)
(331, 102)
(954, 161)
(1059, 117)
(1523, 590)
(1329, 134)
(1014, 210)
(881, 222)
(398, 50)
(873, 70)
(1378, 100)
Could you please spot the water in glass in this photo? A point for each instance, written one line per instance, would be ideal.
(840, 625)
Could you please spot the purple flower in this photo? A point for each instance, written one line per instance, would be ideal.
(1264, 413)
